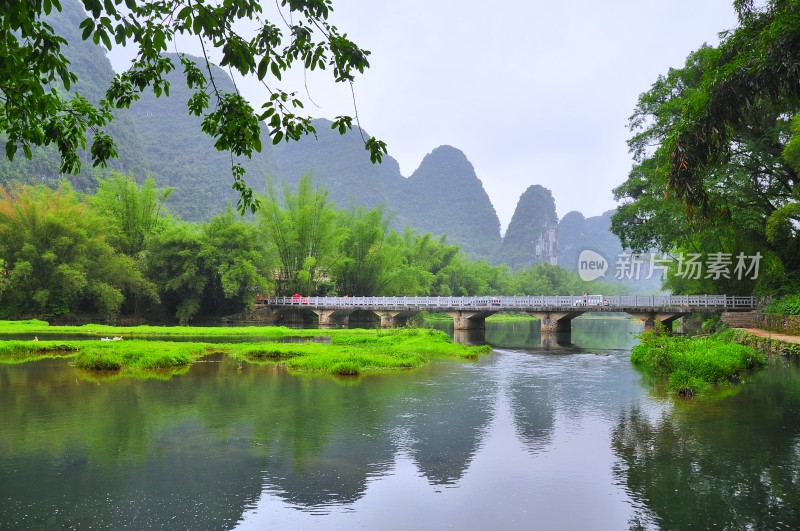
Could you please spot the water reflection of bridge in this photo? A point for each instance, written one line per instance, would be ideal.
(598, 333)
(469, 313)
(555, 341)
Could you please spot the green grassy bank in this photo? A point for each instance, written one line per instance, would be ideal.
(35, 327)
(693, 364)
(349, 352)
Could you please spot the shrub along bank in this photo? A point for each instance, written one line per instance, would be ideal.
(693, 364)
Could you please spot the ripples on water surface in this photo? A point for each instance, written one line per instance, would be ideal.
(565, 438)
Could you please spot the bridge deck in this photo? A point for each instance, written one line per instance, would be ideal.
(623, 303)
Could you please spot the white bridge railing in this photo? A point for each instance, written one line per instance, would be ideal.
(522, 303)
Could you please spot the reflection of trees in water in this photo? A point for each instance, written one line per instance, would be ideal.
(513, 334)
(130, 453)
(324, 440)
(587, 333)
(728, 464)
(198, 449)
(447, 418)
(572, 384)
(337, 474)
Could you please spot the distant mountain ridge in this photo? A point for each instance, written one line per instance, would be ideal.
(577, 233)
(443, 196)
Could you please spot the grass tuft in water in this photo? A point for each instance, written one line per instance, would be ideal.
(23, 351)
(692, 365)
(345, 368)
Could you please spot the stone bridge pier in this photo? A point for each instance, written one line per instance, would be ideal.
(469, 320)
(555, 322)
(392, 318)
(650, 318)
(555, 327)
(336, 317)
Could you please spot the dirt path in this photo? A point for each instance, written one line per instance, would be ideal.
(773, 335)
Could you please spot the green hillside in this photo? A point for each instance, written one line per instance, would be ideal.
(180, 155)
(577, 233)
(444, 196)
(339, 162)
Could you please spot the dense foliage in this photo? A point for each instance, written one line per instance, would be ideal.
(57, 259)
(119, 253)
(788, 305)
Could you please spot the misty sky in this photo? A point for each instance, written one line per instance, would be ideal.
(532, 92)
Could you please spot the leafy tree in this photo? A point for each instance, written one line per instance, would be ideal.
(302, 233)
(136, 211)
(58, 261)
(783, 222)
(367, 262)
(427, 252)
(174, 264)
(423, 258)
(206, 270)
(239, 268)
(756, 67)
(462, 277)
(35, 111)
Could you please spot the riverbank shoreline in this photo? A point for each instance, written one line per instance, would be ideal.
(769, 342)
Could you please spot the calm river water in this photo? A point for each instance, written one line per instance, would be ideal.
(529, 437)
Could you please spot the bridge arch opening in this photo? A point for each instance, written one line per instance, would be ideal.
(363, 319)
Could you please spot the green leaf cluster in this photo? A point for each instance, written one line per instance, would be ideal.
(788, 305)
(216, 268)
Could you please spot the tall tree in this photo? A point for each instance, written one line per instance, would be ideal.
(303, 235)
(209, 270)
(34, 111)
(136, 211)
(174, 263)
(756, 67)
(235, 256)
(367, 262)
